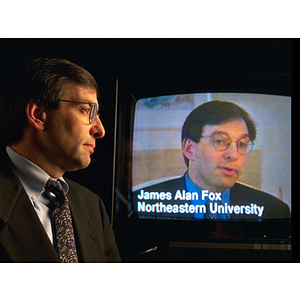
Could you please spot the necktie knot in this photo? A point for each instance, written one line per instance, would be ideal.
(55, 187)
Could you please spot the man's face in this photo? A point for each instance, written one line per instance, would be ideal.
(213, 169)
(69, 139)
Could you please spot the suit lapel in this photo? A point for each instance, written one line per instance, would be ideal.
(90, 245)
(21, 233)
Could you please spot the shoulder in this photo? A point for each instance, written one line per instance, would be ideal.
(6, 167)
(245, 191)
(244, 194)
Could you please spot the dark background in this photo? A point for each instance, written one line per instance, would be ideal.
(148, 67)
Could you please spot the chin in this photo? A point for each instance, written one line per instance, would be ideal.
(85, 164)
(79, 164)
(222, 185)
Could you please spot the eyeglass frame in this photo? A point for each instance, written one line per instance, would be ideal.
(231, 141)
(92, 105)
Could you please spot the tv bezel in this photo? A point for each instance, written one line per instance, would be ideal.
(238, 231)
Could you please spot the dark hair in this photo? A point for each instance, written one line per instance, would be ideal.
(40, 80)
(214, 113)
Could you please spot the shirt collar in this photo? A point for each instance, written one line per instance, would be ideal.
(32, 177)
(192, 187)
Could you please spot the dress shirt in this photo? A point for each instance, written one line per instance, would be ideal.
(33, 179)
(192, 187)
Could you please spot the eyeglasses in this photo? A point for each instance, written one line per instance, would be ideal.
(93, 111)
(222, 142)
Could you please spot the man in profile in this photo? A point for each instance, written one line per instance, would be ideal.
(217, 138)
(49, 124)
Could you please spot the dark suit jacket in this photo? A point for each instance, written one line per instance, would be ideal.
(23, 238)
(239, 195)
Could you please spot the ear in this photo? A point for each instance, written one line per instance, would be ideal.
(36, 115)
(189, 149)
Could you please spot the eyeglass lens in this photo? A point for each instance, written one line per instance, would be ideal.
(223, 142)
(93, 112)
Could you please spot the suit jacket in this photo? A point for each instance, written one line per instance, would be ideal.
(239, 195)
(23, 238)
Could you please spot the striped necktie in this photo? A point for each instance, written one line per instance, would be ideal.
(65, 241)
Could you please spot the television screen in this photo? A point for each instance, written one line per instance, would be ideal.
(224, 156)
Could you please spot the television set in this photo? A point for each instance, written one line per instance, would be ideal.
(154, 222)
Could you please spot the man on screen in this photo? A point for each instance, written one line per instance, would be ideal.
(217, 138)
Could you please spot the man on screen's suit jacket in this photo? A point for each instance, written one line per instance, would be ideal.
(22, 235)
(239, 195)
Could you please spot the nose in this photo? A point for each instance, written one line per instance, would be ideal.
(97, 129)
